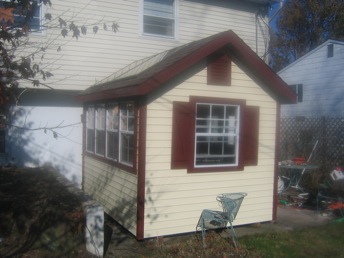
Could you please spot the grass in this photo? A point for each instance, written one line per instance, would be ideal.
(323, 241)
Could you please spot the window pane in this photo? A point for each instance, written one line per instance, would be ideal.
(90, 129)
(100, 131)
(127, 147)
(112, 145)
(158, 17)
(34, 16)
(100, 142)
(159, 8)
(90, 140)
(112, 117)
(158, 26)
(216, 135)
(90, 117)
(100, 118)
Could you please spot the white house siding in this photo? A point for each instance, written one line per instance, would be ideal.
(175, 198)
(82, 62)
(92, 57)
(114, 189)
(323, 83)
(32, 147)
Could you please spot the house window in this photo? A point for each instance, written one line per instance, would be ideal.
(214, 135)
(330, 51)
(2, 141)
(90, 129)
(112, 115)
(127, 133)
(217, 128)
(110, 131)
(100, 130)
(298, 90)
(35, 14)
(159, 18)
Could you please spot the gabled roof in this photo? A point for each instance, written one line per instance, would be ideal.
(327, 42)
(144, 76)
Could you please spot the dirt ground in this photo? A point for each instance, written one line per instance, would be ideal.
(38, 217)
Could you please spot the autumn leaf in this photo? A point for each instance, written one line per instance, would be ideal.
(6, 14)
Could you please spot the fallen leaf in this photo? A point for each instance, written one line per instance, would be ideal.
(6, 14)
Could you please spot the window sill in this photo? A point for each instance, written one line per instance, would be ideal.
(113, 163)
(158, 37)
(215, 169)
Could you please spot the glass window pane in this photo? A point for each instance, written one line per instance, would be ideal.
(158, 17)
(159, 8)
(216, 135)
(112, 117)
(158, 26)
(100, 142)
(90, 140)
(127, 147)
(217, 111)
(112, 145)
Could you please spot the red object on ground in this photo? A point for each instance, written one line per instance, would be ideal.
(336, 206)
(299, 161)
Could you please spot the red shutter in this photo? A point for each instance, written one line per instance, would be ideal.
(182, 134)
(250, 134)
(219, 71)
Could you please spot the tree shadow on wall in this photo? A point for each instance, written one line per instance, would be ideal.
(25, 147)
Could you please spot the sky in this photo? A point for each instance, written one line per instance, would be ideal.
(273, 10)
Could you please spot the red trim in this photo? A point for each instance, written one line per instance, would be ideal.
(275, 186)
(183, 140)
(83, 149)
(141, 175)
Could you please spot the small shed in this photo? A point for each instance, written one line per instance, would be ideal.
(165, 135)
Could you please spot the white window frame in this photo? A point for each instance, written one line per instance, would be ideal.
(229, 130)
(176, 23)
(125, 131)
(100, 125)
(112, 125)
(90, 113)
(97, 119)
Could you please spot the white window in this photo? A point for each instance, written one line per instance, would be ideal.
(127, 133)
(110, 131)
(112, 115)
(298, 90)
(159, 18)
(100, 131)
(217, 135)
(90, 129)
(36, 14)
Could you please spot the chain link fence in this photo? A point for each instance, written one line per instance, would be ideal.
(321, 140)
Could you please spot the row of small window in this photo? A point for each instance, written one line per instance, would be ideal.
(110, 131)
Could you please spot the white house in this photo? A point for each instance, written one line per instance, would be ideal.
(318, 79)
(147, 27)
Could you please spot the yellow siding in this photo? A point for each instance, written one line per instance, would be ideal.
(177, 198)
(114, 189)
(92, 57)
